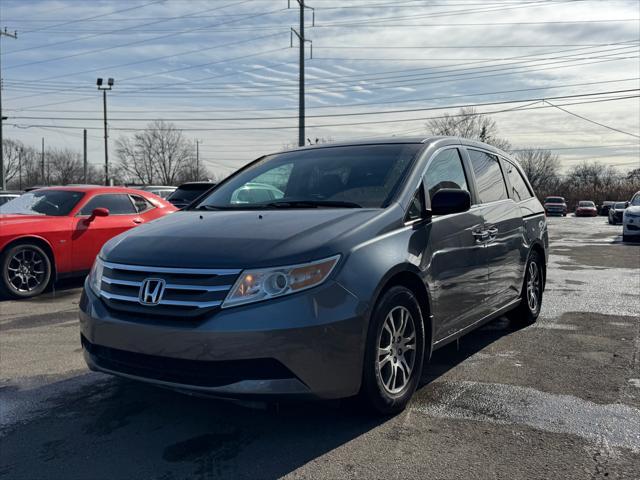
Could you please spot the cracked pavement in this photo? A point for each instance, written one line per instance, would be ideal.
(560, 399)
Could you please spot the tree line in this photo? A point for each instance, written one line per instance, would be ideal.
(161, 154)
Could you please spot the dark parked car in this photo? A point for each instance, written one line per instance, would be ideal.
(7, 196)
(616, 211)
(586, 208)
(604, 208)
(188, 192)
(555, 206)
(376, 254)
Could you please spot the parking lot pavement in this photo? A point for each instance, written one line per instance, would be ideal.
(560, 399)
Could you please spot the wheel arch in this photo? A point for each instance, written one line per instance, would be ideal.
(42, 243)
(539, 248)
(409, 276)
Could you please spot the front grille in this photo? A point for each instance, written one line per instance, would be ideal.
(189, 292)
(186, 372)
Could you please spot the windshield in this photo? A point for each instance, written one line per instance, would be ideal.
(554, 200)
(620, 206)
(188, 193)
(56, 203)
(348, 177)
(635, 201)
(586, 204)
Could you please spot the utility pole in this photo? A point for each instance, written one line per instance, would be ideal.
(44, 181)
(197, 160)
(14, 35)
(84, 158)
(106, 141)
(303, 40)
(20, 153)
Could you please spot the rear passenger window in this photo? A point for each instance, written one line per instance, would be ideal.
(519, 189)
(118, 204)
(489, 179)
(445, 171)
(141, 204)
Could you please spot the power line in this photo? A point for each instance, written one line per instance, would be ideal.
(383, 121)
(94, 16)
(592, 121)
(118, 31)
(546, 87)
(137, 42)
(352, 114)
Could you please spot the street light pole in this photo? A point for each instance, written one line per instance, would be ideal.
(2, 117)
(106, 137)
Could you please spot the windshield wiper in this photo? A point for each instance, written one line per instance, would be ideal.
(312, 204)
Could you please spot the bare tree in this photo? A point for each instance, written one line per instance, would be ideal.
(467, 123)
(542, 169)
(159, 154)
(12, 150)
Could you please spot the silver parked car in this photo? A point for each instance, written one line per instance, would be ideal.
(370, 256)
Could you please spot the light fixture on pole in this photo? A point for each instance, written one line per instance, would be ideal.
(99, 83)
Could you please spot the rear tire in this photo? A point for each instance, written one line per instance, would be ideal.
(25, 270)
(531, 302)
(394, 352)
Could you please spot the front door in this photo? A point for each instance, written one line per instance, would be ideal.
(457, 251)
(89, 236)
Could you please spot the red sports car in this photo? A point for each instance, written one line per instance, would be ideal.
(52, 233)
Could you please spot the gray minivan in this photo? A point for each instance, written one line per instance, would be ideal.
(376, 254)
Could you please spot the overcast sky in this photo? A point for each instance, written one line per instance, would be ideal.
(379, 67)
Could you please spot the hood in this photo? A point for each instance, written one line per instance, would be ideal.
(246, 238)
(11, 224)
(633, 209)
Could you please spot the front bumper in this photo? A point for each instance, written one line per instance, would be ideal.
(631, 226)
(306, 344)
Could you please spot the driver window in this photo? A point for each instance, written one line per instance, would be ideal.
(445, 171)
(117, 204)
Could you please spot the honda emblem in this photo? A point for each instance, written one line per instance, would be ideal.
(151, 291)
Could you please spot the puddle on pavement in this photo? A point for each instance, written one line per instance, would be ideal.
(617, 425)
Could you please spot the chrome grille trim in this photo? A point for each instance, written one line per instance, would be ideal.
(172, 303)
(190, 271)
(169, 286)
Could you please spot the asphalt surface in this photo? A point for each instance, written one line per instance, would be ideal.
(560, 399)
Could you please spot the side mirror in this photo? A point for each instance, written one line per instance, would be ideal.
(450, 200)
(97, 212)
(626, 204)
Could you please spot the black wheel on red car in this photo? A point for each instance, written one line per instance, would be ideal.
(26, 270)
(526, 313)
(394, 353)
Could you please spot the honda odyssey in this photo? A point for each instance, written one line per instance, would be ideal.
(372, 255)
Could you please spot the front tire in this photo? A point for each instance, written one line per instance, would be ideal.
(531, 302)
(395, 352)
(26, 270)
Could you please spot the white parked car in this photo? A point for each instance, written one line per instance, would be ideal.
(631, 219)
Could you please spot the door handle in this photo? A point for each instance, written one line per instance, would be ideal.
(138, 221)
(481, 236)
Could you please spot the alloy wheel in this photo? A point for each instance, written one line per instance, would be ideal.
(26, 270)
(533, 287)
(396, 350)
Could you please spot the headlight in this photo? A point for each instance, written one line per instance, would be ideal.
(266, 283)
(95, 276)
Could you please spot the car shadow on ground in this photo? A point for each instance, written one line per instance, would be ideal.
(61, 288)
(97, 426)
